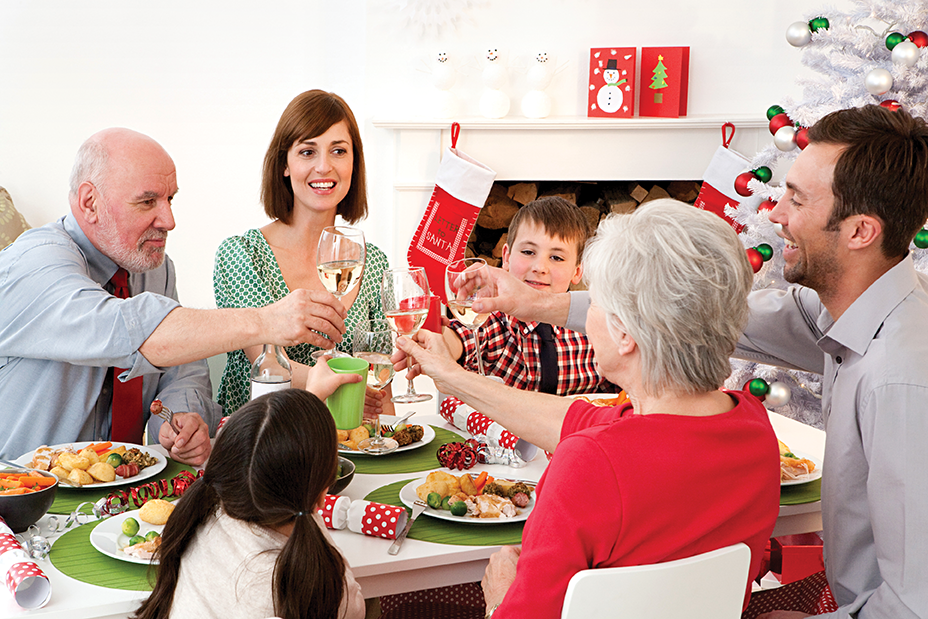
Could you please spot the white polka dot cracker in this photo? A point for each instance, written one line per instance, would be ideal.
(335, 511)
(376, 519)
(465, 417)
(21, 575)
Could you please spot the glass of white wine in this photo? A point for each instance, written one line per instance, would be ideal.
(466, 280)
(372, 341)
(405, 295)
(340, 262)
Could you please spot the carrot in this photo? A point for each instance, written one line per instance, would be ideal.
(10, 483)
(39, 480)
(101, 447)
(14, 491)
(481, 481)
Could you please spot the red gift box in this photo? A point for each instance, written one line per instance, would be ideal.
(794, 557)
(664, 82)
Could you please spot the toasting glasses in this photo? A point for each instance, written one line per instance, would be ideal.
(340, 262)
(405, 294)
(465, 281)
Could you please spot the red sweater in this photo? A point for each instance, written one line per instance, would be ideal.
(625, 489)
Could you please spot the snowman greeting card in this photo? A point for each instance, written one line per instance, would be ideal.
(612, 82)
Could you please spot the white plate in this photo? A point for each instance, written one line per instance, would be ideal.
(428, 435)
(148, 471)
(107, 537)
(408, 496)
(815, 474)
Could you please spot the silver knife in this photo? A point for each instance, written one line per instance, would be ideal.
(417, 508)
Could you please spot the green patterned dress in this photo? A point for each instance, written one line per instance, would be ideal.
(246, 274)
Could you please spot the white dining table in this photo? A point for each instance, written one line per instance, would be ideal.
(418, 565)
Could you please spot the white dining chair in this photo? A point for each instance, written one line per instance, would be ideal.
(708, 586)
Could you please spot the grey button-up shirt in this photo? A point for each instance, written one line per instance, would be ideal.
(61, 330)
(875, 406)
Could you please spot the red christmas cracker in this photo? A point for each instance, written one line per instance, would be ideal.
(334, 511)
(376, 519)
(23, 577)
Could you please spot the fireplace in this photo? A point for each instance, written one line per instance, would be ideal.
(572, 150)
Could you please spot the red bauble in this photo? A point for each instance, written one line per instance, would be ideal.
(778, 122)
(766, 205)
(741, 184)
(802, 137)
(755, 258)
(890, 104)
(919, 38)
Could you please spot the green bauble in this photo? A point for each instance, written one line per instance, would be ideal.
(758, 387)
(765, 251)
(773, 110)
(819, 23)
(763, 174)
(921, 239)
(894, 39)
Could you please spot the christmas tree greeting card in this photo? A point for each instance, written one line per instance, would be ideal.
(665, 76)
(612, 82)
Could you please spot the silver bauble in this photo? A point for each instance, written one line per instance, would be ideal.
(778, 395)
(906, 53)
(785, 138)
(799, 33)
(879, 81)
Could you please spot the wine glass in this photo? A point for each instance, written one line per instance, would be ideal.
(466, 280)
(340, 262)
(373, 341)
(405, 294)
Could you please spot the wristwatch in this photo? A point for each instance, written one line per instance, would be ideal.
(490, 612)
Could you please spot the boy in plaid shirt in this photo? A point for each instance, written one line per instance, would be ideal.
(544, 247)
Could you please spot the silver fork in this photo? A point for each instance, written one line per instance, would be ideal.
(158, 408)
(390, 428)
(417, 508)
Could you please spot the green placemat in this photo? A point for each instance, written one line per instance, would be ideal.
(428, 529)
(74, 556)
(412, 461)
(68, 499)
(801, 493)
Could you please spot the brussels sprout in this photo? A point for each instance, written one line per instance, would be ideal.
(151, 535)
(130, 527)
(434, 500)
(114, 460)
(459, 508)
(444, 503)
(136, 539)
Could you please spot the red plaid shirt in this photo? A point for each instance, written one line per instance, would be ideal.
(511, 350)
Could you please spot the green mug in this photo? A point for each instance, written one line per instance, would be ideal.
(347, 403)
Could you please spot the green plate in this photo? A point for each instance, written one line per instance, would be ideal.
(801, 493)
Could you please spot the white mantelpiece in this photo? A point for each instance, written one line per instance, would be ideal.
(559, 149)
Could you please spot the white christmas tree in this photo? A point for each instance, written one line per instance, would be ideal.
(872, 54)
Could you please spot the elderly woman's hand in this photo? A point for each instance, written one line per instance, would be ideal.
(500, 574)
(431, 357)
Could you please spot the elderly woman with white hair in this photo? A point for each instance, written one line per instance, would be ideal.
(683, 468)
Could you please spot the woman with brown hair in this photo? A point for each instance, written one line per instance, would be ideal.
(245, 540)
(313, 172)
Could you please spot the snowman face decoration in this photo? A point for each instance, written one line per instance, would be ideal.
(542, 57)
(493, 54)
(442, 57)
(611, 76)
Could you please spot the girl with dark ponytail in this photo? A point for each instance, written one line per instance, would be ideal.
(245, 540)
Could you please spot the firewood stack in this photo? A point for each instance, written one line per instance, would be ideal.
(595, 199)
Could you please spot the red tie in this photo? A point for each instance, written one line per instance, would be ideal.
(127, 423)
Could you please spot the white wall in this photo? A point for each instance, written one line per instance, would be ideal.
(209, 80)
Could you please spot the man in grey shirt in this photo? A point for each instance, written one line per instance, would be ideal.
(61, 328)
(855, 198)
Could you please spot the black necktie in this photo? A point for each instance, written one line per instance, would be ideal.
(548, 355)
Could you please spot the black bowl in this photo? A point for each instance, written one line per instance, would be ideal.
(21, 510)
(342, 481)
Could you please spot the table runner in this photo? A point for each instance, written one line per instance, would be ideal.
(412, 461)
(801, 493)
(74, 556)
(67, 499)
(428, 529)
